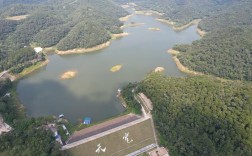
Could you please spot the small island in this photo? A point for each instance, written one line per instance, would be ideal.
(68, 75)
(132, 24)
(116, 68)
(154, 29)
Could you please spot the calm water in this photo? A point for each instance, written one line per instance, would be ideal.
(92, 93)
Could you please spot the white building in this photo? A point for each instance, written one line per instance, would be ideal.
(38, 49)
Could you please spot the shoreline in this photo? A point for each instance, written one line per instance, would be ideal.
(186, 70)
(172, 24)
(180, 66)
(132, 25)
(125, 18)
(179, 28)
(148, 12)
(84, 50)
(201, 32)
(116, 36)
(31, 69)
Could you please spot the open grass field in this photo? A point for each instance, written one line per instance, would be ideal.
(141, 134)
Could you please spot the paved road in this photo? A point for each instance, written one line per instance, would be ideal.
(142, 150)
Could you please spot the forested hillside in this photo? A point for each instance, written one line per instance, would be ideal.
(201, 115)
(4, 3)
(224, 53)
(215, 14)
(64, 24)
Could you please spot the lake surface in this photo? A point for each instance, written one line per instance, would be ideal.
(92, 93)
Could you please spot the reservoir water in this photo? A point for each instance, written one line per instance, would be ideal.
(92, 93)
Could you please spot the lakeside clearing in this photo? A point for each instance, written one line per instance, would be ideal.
(116, 68)
(68, 75)
(154, 29)
(17, 18)
(83, 50)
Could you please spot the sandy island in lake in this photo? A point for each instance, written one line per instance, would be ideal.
(159, 69)
(68, 75)
(116, 68)
(17, 18)
(154, 29)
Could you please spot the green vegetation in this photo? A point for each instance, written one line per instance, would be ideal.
(215, 13)
(83, 39)
(9, 2)
(128, 96)
(51, 21)
(22, 58)
(64, 24)
(225, 53)
(201, 115)
(28, 136)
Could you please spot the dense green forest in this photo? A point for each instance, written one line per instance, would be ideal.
(64, 24)
(224, 53)
(28, 137)
(53, 20)
(4, 3)
(201, 115)
(215, 14)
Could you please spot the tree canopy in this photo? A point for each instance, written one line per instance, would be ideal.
(224, 53)
(201, 115)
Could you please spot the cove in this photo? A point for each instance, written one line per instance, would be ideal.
(92, 92)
